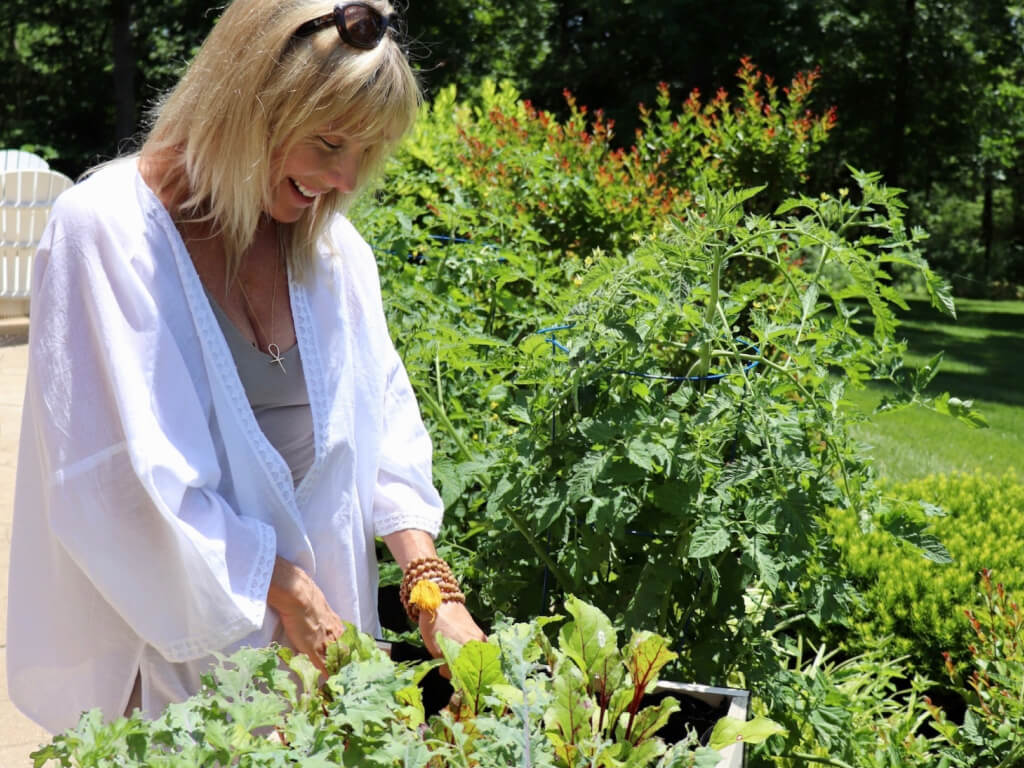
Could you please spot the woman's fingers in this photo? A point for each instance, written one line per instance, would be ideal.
(309, 622)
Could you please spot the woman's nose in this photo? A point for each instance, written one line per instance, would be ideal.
(343, 172)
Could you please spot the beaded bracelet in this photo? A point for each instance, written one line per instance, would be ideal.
(414, 592)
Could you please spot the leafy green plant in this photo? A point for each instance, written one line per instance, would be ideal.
(919, 602)
(519, 701)
(501, 208)
(990, 734)
(863, 711)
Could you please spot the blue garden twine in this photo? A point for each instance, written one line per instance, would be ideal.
(556, 344)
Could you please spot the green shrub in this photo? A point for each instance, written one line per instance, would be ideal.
(920, 602)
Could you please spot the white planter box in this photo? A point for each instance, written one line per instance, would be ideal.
(738, 707)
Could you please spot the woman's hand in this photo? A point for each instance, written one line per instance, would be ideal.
(451, 620)
(309, 623)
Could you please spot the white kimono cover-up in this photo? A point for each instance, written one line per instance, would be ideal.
(149, 506)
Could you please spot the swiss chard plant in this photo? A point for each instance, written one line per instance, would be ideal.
(519, 700)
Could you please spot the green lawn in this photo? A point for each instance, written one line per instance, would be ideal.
(984, 361)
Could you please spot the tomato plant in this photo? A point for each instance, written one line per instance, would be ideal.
(642, 404)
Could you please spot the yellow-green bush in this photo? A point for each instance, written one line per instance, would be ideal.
(919, 602)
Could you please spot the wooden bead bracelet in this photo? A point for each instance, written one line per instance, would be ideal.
(432, 570)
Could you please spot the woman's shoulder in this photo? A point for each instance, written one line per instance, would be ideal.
(345, 238)
(347, 251)
(106, 198)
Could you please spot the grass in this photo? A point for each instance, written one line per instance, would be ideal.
(984, 362)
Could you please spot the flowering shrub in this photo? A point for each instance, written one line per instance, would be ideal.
(920, 602)
(572, 186)
(757, 138)
(992, 726)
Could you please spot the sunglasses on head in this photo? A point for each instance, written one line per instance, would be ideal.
(359, 24)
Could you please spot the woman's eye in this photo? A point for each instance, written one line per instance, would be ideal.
(330, 144)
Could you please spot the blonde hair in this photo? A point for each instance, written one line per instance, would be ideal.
(252, 92)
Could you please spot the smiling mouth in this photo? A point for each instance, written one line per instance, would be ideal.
(307, 193)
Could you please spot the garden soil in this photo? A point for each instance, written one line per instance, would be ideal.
(18, 735)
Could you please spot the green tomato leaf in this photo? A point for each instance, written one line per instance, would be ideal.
(941, 293)
(915, 532)
(810, 300)
(924, 375)
(963, 410)
(710, 538)
(789, 205)
(640, 453)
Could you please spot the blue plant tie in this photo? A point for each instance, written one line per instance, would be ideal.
(556, 344)
(550, 333)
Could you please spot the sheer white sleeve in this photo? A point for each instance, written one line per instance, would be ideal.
(405, 495)
(128, 464)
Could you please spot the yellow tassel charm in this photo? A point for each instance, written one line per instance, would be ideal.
(428, 583)
(426, 595)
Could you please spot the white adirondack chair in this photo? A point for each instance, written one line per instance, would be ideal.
(19, 160)
(26, 197)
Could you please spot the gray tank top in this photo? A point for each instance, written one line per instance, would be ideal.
(279, 400)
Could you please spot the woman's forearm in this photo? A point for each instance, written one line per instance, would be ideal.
(408, 545)
(451, 619)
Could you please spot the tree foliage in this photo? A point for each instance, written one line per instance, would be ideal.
(927, 91)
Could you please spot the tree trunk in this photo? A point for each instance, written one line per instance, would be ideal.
(902, 94)
(987, 224)
(1016, 267)
(124, 69)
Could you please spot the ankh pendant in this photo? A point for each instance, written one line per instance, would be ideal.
(275, 356)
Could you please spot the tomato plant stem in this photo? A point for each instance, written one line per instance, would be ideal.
(560, 576)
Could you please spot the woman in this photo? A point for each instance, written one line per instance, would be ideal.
(216, 423)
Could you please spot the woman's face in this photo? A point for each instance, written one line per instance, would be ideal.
(315, 165)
